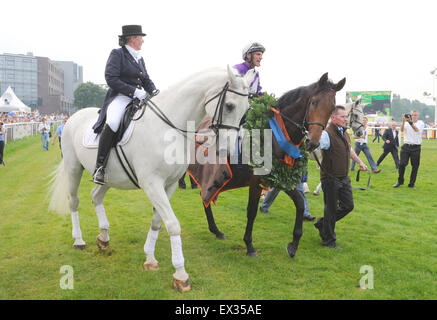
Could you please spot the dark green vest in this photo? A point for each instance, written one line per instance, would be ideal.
(337, 158)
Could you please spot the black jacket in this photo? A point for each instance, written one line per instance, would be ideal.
(394, 142)
(123, 75)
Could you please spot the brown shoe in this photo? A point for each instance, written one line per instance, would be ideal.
(376, 171)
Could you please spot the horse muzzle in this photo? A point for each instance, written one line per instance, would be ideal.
(311, 146)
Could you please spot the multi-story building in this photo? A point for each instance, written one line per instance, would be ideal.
(21, 73)
(51, 96)
(73, 77)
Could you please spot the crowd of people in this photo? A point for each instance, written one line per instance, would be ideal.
(34, 116)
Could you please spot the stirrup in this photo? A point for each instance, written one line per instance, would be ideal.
(99, 176)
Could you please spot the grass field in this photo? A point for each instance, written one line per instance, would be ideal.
(392, 230)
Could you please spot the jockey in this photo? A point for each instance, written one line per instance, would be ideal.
(127, 78)
(252, 55)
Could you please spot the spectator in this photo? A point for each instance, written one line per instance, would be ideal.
(377, 134)
(273, 193)
(361, 145)
(2, 142)
(391, 144)
(182, 184)
(412, 128)
(44, 129)
(59, 133)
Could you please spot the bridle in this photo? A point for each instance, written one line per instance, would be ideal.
(218, 113)
(351, 114)
(304, 126)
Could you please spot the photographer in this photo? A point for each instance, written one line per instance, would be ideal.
(2, 142)
(44, 129)
(412, 128)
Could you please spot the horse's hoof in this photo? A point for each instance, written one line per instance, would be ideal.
(103, 245)
(181, 286)
(151, 266)
(221, 236)
(252, 254)
(79, 246)
(291, 250)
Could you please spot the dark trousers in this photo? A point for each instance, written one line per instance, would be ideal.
(394, 153)
(409, 152)
(338, 198)
(182, 182)
(2, 147)
(377, 136)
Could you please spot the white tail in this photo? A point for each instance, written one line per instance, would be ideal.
(58, 190)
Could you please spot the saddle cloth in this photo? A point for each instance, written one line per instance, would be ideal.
(91, 139)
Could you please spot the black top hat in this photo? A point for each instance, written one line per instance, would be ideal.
(132, 30)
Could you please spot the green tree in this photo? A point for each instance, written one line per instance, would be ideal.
(89, 95)
(400, 106)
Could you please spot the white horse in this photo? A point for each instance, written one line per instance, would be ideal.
(189, 100)
(355, 117)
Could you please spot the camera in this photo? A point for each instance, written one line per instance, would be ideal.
(407, 116)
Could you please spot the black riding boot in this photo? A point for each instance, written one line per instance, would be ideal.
(105, 145)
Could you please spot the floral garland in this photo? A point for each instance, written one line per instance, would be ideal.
(281, 176)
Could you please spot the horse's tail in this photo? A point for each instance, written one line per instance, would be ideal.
(58, 190)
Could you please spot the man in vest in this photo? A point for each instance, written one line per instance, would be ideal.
(334, 175)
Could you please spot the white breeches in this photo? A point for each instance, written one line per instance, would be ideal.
(115, 111)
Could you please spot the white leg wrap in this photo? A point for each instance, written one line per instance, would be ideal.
(77, 233)
(177, 257)
(101, 216)
(149, 246)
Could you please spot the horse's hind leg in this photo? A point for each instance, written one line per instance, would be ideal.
(98, 194)
(211, 223)
(74, 177)
(298, 200)
(149, 247)
(252, 209)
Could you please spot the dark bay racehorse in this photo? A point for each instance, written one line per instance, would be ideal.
(309, 109)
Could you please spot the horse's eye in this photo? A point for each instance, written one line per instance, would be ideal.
(230, 106)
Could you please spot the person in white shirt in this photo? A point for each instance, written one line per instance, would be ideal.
(44, 129)
(361, 145)
(410, 151)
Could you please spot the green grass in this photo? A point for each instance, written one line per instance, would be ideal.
(392, 230)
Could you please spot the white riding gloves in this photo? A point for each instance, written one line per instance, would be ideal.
(140, 94)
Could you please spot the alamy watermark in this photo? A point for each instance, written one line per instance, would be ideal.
(67, 281)
(242, 147)
(366, 281)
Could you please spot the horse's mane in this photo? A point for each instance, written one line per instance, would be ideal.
(292, 96)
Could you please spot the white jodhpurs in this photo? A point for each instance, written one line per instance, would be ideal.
(115, 111)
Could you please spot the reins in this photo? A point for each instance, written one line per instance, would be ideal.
(217, 114)
(143, 104)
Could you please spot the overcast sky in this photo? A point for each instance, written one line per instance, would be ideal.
(376, 45)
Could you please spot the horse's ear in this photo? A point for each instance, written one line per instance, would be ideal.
(323, 79)
(232, 76)
(340, 84)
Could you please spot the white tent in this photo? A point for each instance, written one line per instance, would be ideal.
(10, 102)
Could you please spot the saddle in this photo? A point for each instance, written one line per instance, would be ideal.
(131, 109)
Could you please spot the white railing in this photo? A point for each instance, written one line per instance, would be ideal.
(19, 130)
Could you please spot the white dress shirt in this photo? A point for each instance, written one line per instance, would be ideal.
(411, 136)
(134, 53)
(363, 140)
